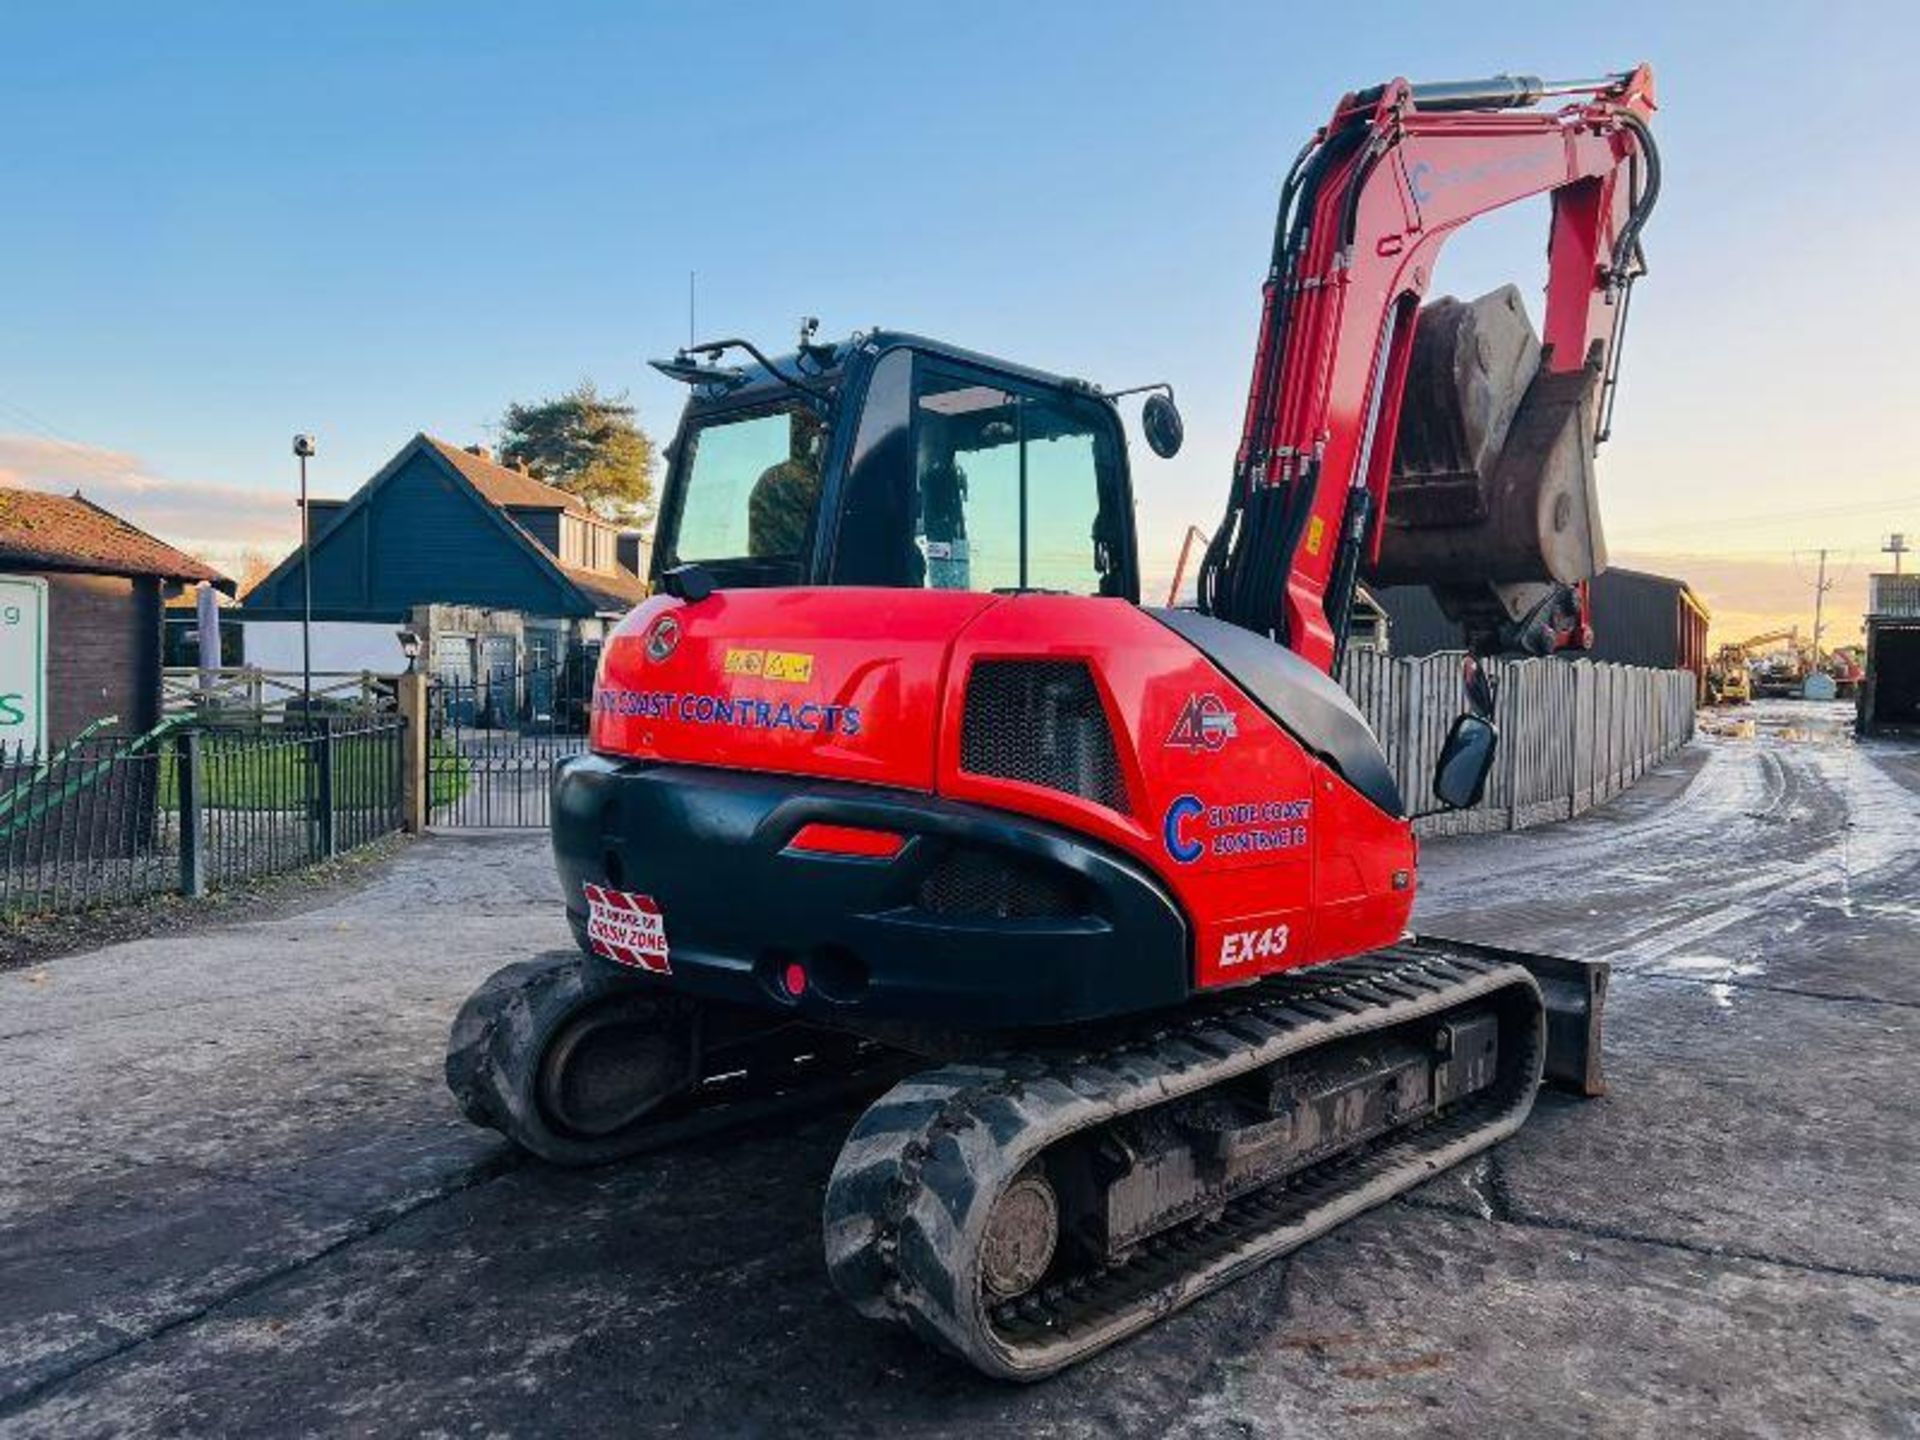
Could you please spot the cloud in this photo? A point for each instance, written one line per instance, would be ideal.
(214, 521)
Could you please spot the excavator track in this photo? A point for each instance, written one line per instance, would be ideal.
(567, 1058)
(937, 1210)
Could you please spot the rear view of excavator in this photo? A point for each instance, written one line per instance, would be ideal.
(895, 780)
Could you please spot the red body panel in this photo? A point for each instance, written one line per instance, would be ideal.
(1274, 859)
(851, 690)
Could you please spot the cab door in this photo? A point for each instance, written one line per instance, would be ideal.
(961, 476)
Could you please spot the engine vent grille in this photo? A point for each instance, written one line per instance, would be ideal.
(1041, 721)
(973, 882)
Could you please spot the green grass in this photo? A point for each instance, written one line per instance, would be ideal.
(275, 775)
(447, 772)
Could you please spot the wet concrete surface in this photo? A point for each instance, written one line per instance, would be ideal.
(235, 1198)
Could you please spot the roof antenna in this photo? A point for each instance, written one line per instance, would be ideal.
(690, 294)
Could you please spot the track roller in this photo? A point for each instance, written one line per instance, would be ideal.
(1026, 1212)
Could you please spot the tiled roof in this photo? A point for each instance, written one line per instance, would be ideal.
(619, 592)
(505, 486)
(60, 532)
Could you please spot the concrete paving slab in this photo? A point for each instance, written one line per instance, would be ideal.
(632, 1302)
(1748, 1124)
(1450, 1327)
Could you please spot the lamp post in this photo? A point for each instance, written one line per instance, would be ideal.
(304, 448)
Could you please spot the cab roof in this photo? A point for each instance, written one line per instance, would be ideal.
(827, 363)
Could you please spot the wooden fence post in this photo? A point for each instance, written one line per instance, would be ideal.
(411, 689)
(189, 779)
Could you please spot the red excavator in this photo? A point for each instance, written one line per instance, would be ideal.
(895, 764)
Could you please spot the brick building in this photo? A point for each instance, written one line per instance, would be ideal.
(81, 600)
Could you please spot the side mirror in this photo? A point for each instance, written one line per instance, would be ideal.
(1466, 760)
(1160, 419)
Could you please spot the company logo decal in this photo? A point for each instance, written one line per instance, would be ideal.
(1205, 723)
(692, 707)
(795, 666)
(662, 637)
(1174, 829)
(1193, 828)
(1425, 180)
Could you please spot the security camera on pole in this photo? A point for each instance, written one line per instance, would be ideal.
(304, 447)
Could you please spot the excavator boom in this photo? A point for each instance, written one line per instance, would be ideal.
(1363, 217)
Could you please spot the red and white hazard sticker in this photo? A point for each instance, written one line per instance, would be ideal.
(626, 928)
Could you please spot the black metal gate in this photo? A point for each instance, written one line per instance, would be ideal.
(496, 735)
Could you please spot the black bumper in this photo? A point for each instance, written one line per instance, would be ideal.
(982, 920)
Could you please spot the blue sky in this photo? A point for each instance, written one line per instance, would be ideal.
(232, 222)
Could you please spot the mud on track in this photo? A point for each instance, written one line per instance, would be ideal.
(234, 1197)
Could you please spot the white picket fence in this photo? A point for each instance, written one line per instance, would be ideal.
(1572, 733)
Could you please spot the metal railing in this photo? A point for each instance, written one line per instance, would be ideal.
(84, 826)
(190, 809)
(1572, 733)
(493, 742)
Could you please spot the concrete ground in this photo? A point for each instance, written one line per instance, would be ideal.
(235, 1198)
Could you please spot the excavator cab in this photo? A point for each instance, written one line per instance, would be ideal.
(895, 461)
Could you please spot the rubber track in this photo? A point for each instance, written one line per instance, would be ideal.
(491, 1071)
(913, 1185)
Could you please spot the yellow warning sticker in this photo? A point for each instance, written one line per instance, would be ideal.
(1316, 532)
(793, 666)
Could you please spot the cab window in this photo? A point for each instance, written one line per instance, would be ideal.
(966, 480)
(751, 488)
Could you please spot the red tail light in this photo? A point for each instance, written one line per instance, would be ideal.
(852, 841)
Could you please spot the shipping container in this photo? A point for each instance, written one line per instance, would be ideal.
(1638, 619)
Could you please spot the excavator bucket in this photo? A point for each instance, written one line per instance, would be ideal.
(1492, 499)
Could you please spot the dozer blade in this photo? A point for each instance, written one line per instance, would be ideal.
(1024, 1212)
(1492, 500)
(1575, 994)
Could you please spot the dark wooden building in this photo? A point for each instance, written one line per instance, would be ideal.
(496, 570)
(1638, 619)
(1889, 697)
(103, 584)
